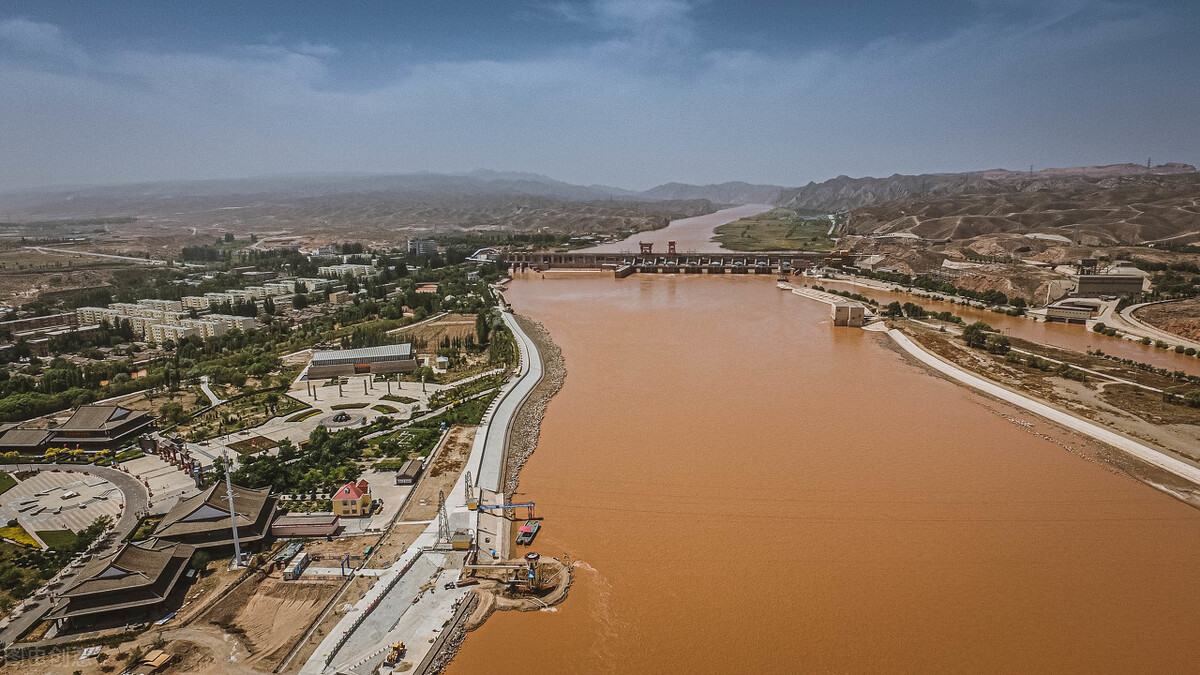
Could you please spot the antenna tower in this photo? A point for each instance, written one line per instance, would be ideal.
(237, 545)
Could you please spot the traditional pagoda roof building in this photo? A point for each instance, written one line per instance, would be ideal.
(130, 585)
(203, 520)
(96, 427)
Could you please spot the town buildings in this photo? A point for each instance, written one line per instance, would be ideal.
(161, 320)
(353, 269)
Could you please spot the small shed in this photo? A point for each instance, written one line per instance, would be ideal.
(410, 472)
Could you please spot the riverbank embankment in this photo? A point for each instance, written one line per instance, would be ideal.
(1131, 447)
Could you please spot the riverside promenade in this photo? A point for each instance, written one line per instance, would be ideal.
(389, 612)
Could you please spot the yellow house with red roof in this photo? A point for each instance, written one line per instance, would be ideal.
(352, 500)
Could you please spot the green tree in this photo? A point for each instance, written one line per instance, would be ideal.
(483, 326)
(975, 335)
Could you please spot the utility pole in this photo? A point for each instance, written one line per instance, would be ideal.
(237, 546)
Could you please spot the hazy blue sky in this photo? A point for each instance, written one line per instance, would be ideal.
(623, 92)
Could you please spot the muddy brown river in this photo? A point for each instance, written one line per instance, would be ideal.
(749, 489)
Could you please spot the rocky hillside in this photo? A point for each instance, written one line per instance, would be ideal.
(846, 194)
(1108, 211)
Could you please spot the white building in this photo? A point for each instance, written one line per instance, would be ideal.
(346, 268)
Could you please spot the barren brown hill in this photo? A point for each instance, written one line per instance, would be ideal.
(1111, 211)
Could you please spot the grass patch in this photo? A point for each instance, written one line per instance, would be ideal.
(386, 409)
(18, 534)
(304, 415)
(409, 442)
(7, 482)
(145, 528)
(398, 399)
(348, 406)
(776, 230)
(59, 540)
(469, 413)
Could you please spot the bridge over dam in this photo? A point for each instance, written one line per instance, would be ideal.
(647, 262)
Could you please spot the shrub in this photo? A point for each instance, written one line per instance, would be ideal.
(1179, 349)
(1145, 340)
(1099, 327)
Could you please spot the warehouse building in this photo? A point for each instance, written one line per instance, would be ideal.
(367, 361)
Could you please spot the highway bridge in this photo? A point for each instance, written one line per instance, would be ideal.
(625, 264)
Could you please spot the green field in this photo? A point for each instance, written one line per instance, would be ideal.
(7, 482)
(59, 540)
(776, 230)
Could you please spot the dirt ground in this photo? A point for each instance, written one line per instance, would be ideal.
(393, 545)
(1181, 318)
(358, 587)
(448, 462)
(254, 608)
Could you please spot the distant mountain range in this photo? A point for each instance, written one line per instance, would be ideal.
(838, 194)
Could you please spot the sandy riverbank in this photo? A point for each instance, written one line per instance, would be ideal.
(526, 427)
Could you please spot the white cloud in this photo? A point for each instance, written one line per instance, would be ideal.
(40, 38)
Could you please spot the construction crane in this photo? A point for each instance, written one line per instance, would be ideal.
(506, 507)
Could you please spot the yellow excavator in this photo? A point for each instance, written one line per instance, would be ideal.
(394, 656)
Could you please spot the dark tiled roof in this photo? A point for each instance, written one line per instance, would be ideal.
(209, 511)
(101, 418)
(24, 438)
(131, 567)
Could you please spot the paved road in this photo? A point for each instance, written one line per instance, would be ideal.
(135, 496)
(143, 261)
(491, 469)
(212, 396)
(1126, 316)
(1127, 445)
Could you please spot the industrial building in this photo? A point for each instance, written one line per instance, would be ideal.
(370, 360)
(1067, 311)
(1099, 285)
(848, 314)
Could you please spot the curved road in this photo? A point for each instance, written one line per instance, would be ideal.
(135, 497)
(1128, 317)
